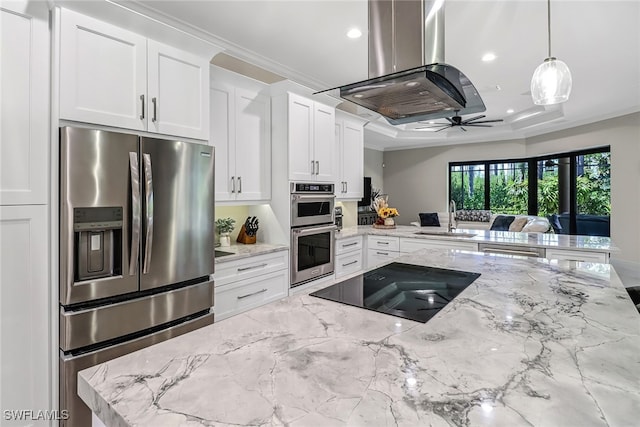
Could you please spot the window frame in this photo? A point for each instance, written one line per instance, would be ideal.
(532, 188)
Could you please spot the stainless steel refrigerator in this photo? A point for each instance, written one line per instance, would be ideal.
(136, 248)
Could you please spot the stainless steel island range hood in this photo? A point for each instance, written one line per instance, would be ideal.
(404, 35)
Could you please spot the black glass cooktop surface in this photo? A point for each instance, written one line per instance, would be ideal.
(410, 291)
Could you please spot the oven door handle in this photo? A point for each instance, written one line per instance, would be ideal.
(304, 196)
(313, 230)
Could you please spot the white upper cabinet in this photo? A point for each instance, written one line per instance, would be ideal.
(178, 87)
(241, 135)
(103, 73)
(24, 108)
(350, 157)
(311, 139)
(113, 77)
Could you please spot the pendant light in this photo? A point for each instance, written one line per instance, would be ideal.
(551, 82)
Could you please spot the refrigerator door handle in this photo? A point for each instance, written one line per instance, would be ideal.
(135, 212)
(148, 187)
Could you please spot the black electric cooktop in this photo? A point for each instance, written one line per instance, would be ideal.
(410, 291)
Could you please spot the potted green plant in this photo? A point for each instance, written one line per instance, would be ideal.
(224, 227)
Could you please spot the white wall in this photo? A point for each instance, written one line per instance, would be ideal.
(373, 167)
(417, 179)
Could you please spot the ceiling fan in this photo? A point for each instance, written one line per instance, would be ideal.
(457, 121)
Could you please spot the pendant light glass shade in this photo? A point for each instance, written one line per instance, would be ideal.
(551, 82)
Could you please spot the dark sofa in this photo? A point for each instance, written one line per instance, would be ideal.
(587, 225)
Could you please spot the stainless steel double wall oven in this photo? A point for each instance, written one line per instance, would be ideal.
(312, 231)
(136, 248)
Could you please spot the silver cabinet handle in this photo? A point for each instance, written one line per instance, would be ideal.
(382, 253)
(313, 167)
(252, 294)
(350, 263)
(350, 244)
(154, 101)
(135, 212)
(239, 184)
(142, 99)
(148, 187)
(317, 167)
(346, 187)
(233, 184)
(382, 243)
(252, 267)
(511, 252)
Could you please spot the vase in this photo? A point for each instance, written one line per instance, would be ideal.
(389, 221)
(225, 239)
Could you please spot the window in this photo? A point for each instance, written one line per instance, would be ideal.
(572, 189)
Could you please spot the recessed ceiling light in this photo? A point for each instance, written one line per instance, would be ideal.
(354, 33)
(411, 84)
(358, 95)
(510, 110)
(488, 57)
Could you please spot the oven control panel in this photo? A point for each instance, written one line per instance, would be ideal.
(300, 187)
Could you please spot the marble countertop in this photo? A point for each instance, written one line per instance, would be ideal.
(531, 342)
(540, 240)
(245, 251)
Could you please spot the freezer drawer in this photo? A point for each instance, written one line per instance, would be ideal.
(79, 413)
(81, 328)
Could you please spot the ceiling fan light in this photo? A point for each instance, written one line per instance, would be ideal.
(551, 82)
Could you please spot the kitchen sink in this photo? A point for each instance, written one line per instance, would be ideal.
(446, 233)
(222, 253)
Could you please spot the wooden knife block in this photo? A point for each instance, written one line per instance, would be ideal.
(243, 238)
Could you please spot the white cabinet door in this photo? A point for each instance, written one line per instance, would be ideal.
(376, 257)
(25, 374)
(222, 135)
(178, 92)
(577, 255)
(252, 145)
(24, 104)
(353, 161)
(324, 122)
(103, 73)
(301, 166)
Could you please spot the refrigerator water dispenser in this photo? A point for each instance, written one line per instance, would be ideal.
(98, 238)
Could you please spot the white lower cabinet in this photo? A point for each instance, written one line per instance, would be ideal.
(349, 257)
(576, 255)
(25, 371)
(382, 249)
(250, 282)
(410, 245)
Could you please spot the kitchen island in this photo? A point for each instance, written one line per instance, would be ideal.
(530, 342)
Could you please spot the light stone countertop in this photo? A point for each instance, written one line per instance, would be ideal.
(531, 342)
(539, 240)
(241, 250)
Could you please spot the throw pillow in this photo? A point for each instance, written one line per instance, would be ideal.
(555, 223)
(473, 215)
(538, 225)
(502, 222)
(429, 219)
(518, 223)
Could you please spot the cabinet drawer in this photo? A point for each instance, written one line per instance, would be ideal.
(246, 294)
(383, 242)
(573, 255)
(232, 271)
(377, 257)
(348, 244)
(348, 263)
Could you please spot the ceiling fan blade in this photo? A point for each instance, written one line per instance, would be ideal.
(474, 118)
(479, 126)
(450, 120)
(462, 129)
(486, 121)
(446, 127)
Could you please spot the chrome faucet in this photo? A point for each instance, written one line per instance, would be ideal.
(452, 218)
